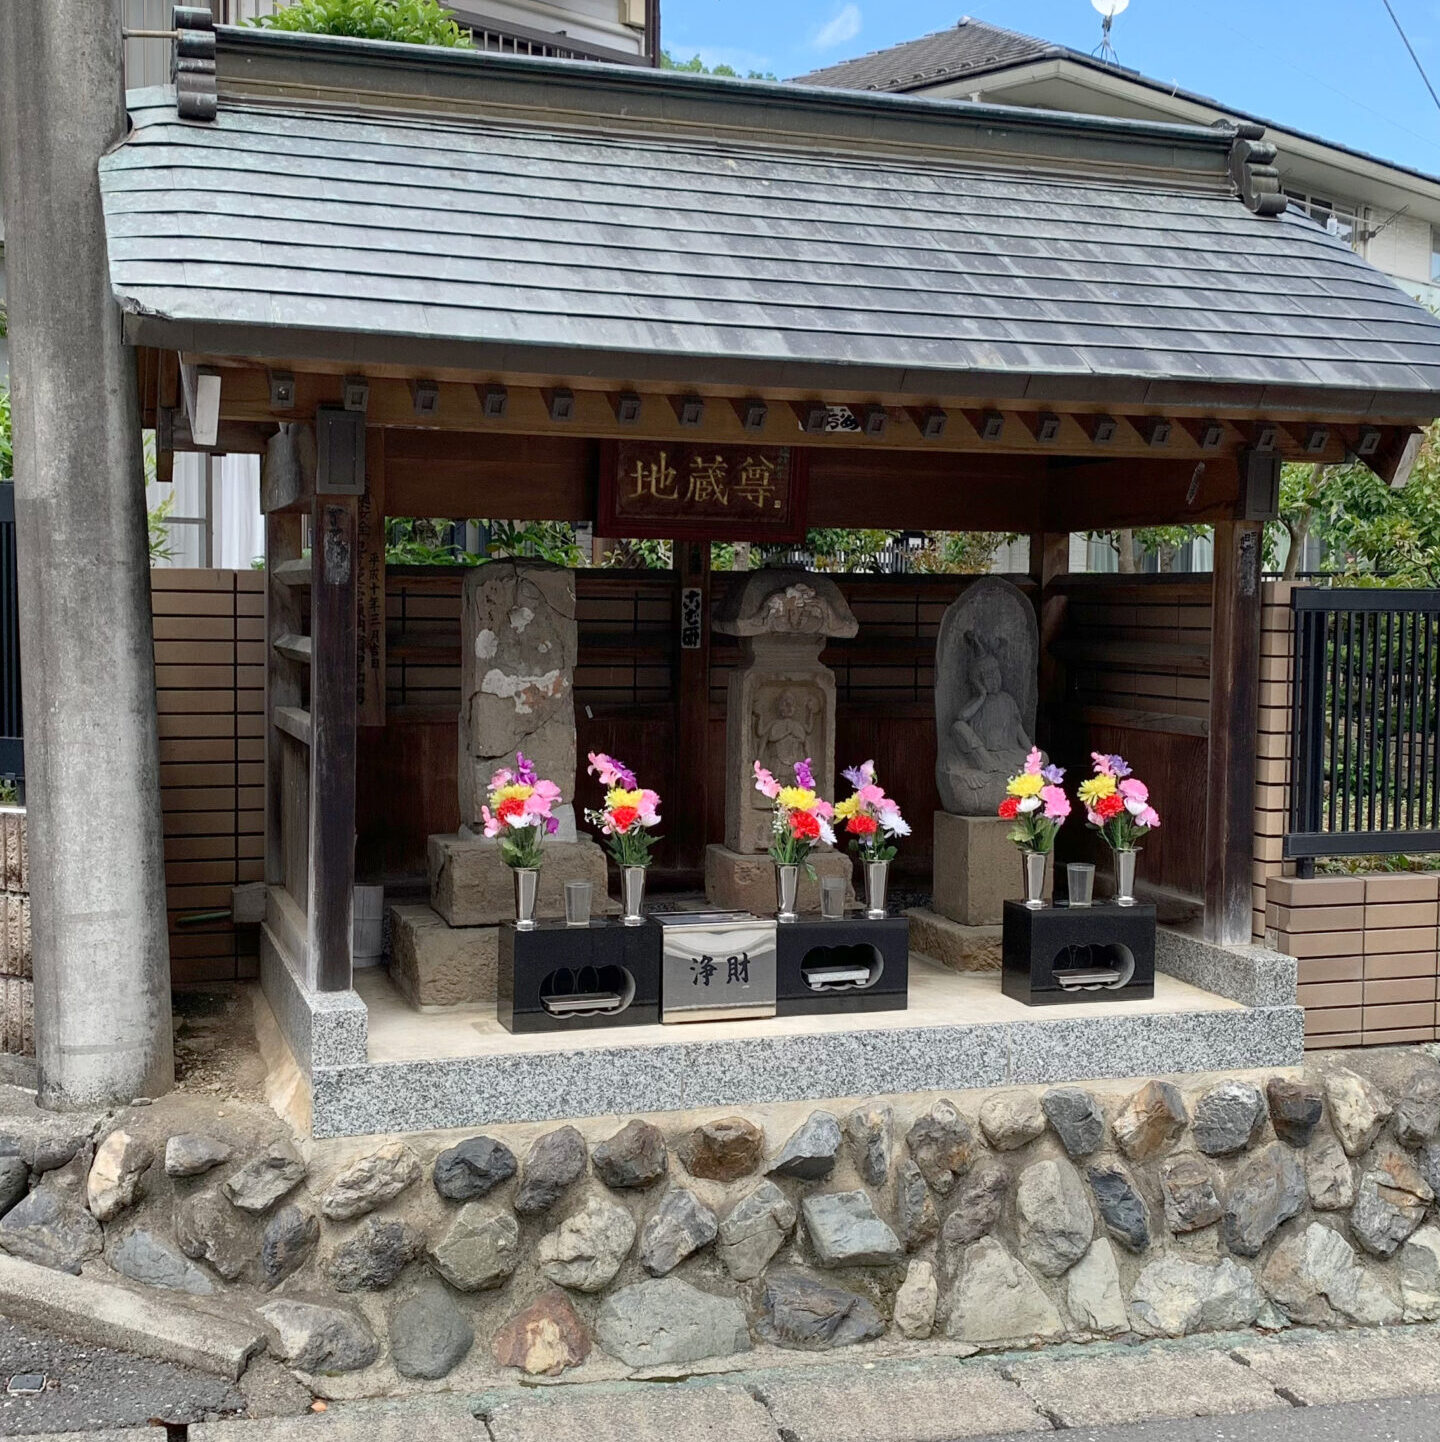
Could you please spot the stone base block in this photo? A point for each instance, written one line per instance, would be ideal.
(976, 870)
(436, 966)
(471, 886)
(738, 882)
(961, 948)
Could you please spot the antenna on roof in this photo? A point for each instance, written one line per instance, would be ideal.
(1109, 9)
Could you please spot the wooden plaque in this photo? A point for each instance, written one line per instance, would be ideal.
(701, 491)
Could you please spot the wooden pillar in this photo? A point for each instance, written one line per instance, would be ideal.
(692, 769)
(1234, 697)
(370, 586)
(282, 679)
(1049, 559)
(333, 713)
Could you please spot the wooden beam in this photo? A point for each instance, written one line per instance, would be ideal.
(333, 613)
(1234, 698)
(692, 560)
(292, 573)
(370, 586)
(293, 647)
(287, 472)
(1049, 560)
(293, 721)
(282, 682)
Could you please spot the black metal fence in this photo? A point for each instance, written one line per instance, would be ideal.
(12, 720)
(1365, 759)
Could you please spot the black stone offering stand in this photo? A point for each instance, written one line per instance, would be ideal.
(1067, 953)
(568, 978)
(850, 964)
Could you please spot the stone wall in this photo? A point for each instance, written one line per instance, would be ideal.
(17, 987)
(979, 1221)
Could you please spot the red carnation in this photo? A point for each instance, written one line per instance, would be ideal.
(622, 818)
(862, 824)
(803, 826)
(1108, 806)
(1010, 808)
(510, 806)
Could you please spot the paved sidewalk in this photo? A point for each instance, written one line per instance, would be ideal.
(1302, 1387)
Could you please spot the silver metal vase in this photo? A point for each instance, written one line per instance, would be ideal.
(877, 882)
(632, 895)
(787, 888)
(1124, 878)
(1034, 864)
(527, 882)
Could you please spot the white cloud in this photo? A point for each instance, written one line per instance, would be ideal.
(845, 26)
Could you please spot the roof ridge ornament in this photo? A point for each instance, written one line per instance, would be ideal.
(192, 65)
(1252, 168)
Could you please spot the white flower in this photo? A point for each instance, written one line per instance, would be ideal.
(897, 825)
(1030, 803)
(1135, 807)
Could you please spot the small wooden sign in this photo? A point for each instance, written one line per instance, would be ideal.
(701, 491)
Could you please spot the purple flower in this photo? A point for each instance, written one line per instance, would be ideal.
(551, 826)
(803, 775)
(524, 770)
(1053, 774)
(859, 776)
(1119, 766)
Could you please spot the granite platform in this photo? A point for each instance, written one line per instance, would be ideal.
(375, 1065)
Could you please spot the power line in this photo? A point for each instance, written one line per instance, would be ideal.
(1401, 30)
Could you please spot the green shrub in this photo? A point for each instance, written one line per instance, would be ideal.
(415, 22)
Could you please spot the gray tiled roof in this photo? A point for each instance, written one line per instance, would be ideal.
(967, 48)
(466, 241)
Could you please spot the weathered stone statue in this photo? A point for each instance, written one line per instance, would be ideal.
(986, 685)
(780, 710)
(986, 681)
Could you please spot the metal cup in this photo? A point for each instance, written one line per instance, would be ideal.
(577, 903)
(1080, 883)
(832, 898)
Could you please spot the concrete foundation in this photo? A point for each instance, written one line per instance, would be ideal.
(741, 882)
(976, 869)
(471, 886)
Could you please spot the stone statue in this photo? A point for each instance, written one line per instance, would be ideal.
(986, 684)
(784, 735)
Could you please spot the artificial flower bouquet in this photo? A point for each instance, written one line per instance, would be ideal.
(1117, 803)
(518, 812)
(871, 818)
(1036, 802)
(630, 814)
(801, 818)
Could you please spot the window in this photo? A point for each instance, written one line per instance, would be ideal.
(1339, 217)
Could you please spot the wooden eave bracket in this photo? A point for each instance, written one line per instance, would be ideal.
(192, 64)
(1396, 461)
(1252, 168)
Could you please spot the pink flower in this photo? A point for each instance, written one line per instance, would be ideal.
(1102, 764)
(1133, 789)
(872, 795)
(493, 824)
(1056, 802)
(610, 771)
(503, 777)
(765, 783)
(1034, 761)
(1149, 818)
(649, 808)
(823, 808)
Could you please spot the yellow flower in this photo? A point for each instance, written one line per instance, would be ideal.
(847, 808)
(504, 793)
(1096, 789)
(796, 798)
(618, 796)
(1027, 783)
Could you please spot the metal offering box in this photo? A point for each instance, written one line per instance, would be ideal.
(716, 965)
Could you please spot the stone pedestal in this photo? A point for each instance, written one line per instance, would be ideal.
(976, 869)
(737, 881)
(471, 886)
(960, 948)
(436, 966)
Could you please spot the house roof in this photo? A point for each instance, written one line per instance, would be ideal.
(735, 234)
(974, 48)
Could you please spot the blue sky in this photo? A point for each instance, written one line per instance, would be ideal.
(1333, 67)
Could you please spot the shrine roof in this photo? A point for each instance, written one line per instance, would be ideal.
(367, 204)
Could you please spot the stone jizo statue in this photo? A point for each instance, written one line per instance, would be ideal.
(985, 694)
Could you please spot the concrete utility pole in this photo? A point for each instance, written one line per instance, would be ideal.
(102, 961)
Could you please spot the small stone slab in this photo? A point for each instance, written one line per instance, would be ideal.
(925, 1402)
(375, 1255)
(429, 1335)
(1107, 1391)
(1348, 1368)
(723, 1150)
(146, 1258)
(810, 1152)
(436, 966)
(845, 1231)
(709, 1413)
(555, 1161)
(370, 1182)
(668, 1323)
(634, 1157)
(190, 1154)
(544, 1339)
(472, 1168)
(260, 1183)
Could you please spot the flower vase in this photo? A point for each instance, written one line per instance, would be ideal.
(527, 881)
(787, 887)
(632, 895)
(1125, 878)
(877, 881)
(1034, 864)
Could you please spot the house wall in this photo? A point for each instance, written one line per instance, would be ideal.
(1401, 249)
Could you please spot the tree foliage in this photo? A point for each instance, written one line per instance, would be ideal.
(414, 22)
(7, 445)
(695, 66)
